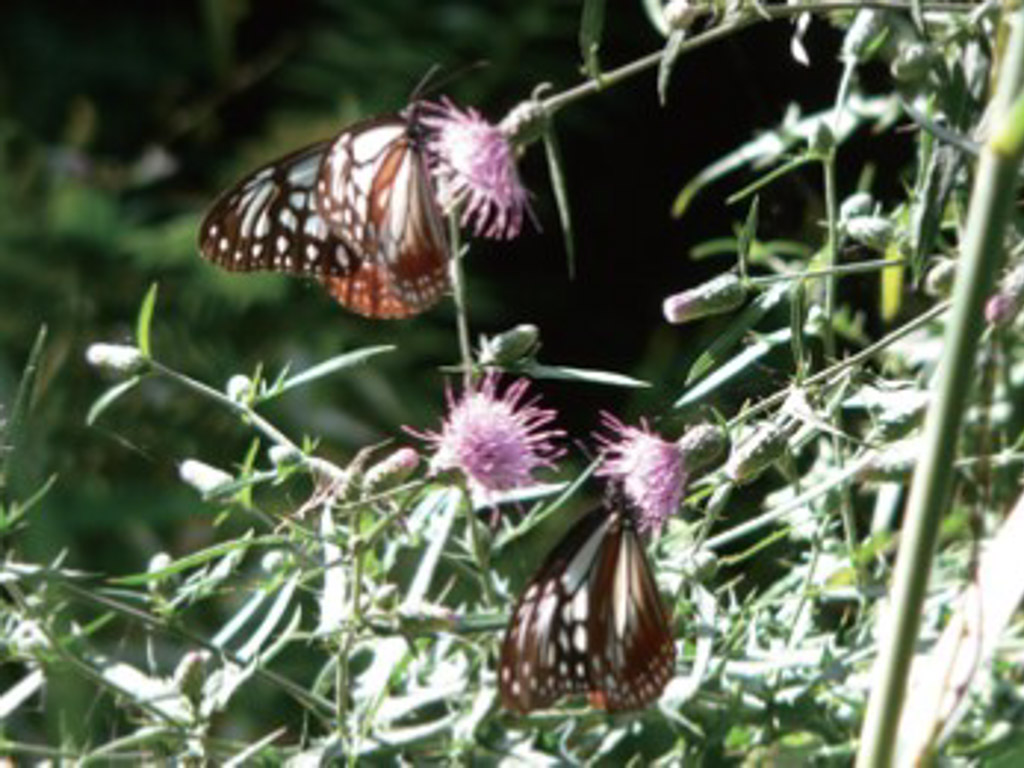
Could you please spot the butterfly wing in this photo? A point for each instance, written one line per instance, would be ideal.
(634, 652)
(592, 621)
(375, 192)
(543, 656)
(270, 221)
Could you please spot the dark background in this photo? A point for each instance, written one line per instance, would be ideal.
(96, 98)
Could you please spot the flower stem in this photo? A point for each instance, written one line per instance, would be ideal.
(459, 294)
(840, 270)
(981, 257)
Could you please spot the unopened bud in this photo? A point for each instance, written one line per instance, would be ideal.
(239, 388)
(755, 454)
(273, 561)
(525, 123)
(190, 675)
(703, 446)
(701, 565)
(822, 141)
(1003, 307)
(857, 204)
(282, 456)
(722, 294)
(680, 14)
(938, 283)
(203, 477)
(119, 359)
(873, 231)
(511, 346)
(391, 471)
(895, 463)
(157, 563)
(913, 61)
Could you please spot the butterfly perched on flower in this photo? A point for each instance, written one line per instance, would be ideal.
(590, 621)
(358, 212)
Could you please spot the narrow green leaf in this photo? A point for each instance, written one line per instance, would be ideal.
(198, 558)
(442, 506)
(10, 433)
(797, 314)
(107, 399)
(566, 373)
(722, 346)
(591, 28)
(558, 186)
(145, 319)
(747, 236)
(736, 364)
(326, 368)
(673, 47)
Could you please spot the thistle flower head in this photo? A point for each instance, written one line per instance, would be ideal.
(496, 439)
(474, 163)
(653, 471)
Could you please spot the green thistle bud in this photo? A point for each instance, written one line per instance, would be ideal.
(715, 297)
(391, 471)
(190, 675)
(895, 463)
(118, 359)
(511, 346)
(822, 141)
(873, 231)
(283, 456)
(525, 123)
(755, 454)
(938, 283)
(680, 14)
(239, 388)
(703, 446)
(202, 476)
(857, 204)
(913, 62)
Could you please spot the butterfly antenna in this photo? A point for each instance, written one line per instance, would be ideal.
(430, 83)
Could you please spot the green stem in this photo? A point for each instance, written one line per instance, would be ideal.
(841, 270)
(459, 294)
(480, 553)
(261, 424)
(981, 257)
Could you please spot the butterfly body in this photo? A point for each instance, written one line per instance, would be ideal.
(358, 213)
(590, 621)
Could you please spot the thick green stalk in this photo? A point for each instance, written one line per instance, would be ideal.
(981, 258)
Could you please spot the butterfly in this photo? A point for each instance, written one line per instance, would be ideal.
(590, 621)
(358, 212)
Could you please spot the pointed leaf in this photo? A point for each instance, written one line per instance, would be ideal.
(144, 321)
(673, 47)
(558, 186)
(590, 376)
(108, 398)
(721, 348)
(326, 368)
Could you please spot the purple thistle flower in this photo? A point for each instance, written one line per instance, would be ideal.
(653, 472)
(496, 440)
(474, 162)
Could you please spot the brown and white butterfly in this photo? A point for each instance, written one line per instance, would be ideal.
(358, 212)
(591, 621)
